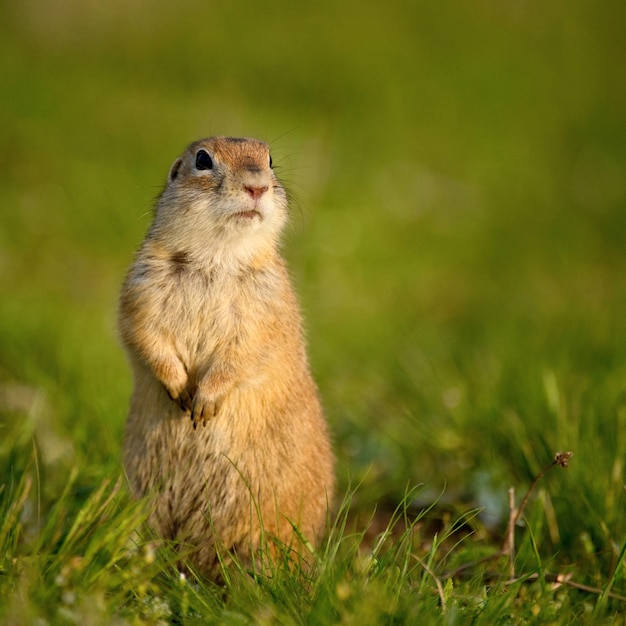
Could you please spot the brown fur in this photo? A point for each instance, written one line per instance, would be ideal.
(225, 427)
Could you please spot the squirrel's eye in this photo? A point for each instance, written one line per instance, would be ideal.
(271, 162)
(203, 160)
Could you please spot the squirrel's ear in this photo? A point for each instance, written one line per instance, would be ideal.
(174, 169)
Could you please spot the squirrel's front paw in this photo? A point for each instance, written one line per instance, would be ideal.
(173, 376)
(182, 398)
(203, 407)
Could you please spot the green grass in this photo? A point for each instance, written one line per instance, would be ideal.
(458, 173)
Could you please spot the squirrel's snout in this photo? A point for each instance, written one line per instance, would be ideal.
(254, 191)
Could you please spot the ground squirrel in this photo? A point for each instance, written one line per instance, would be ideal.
(225, 426)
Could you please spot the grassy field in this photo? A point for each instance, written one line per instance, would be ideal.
(458, 241)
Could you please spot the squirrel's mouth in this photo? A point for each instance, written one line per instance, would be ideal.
(248, 215)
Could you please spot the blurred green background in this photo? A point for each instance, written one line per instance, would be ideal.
(458, 174)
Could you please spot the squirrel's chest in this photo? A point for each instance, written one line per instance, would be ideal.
(197, 305)
(202, 311)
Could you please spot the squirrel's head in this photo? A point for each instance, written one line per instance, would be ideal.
(223, 192)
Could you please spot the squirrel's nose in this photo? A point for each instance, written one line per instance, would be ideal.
(255, 191)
